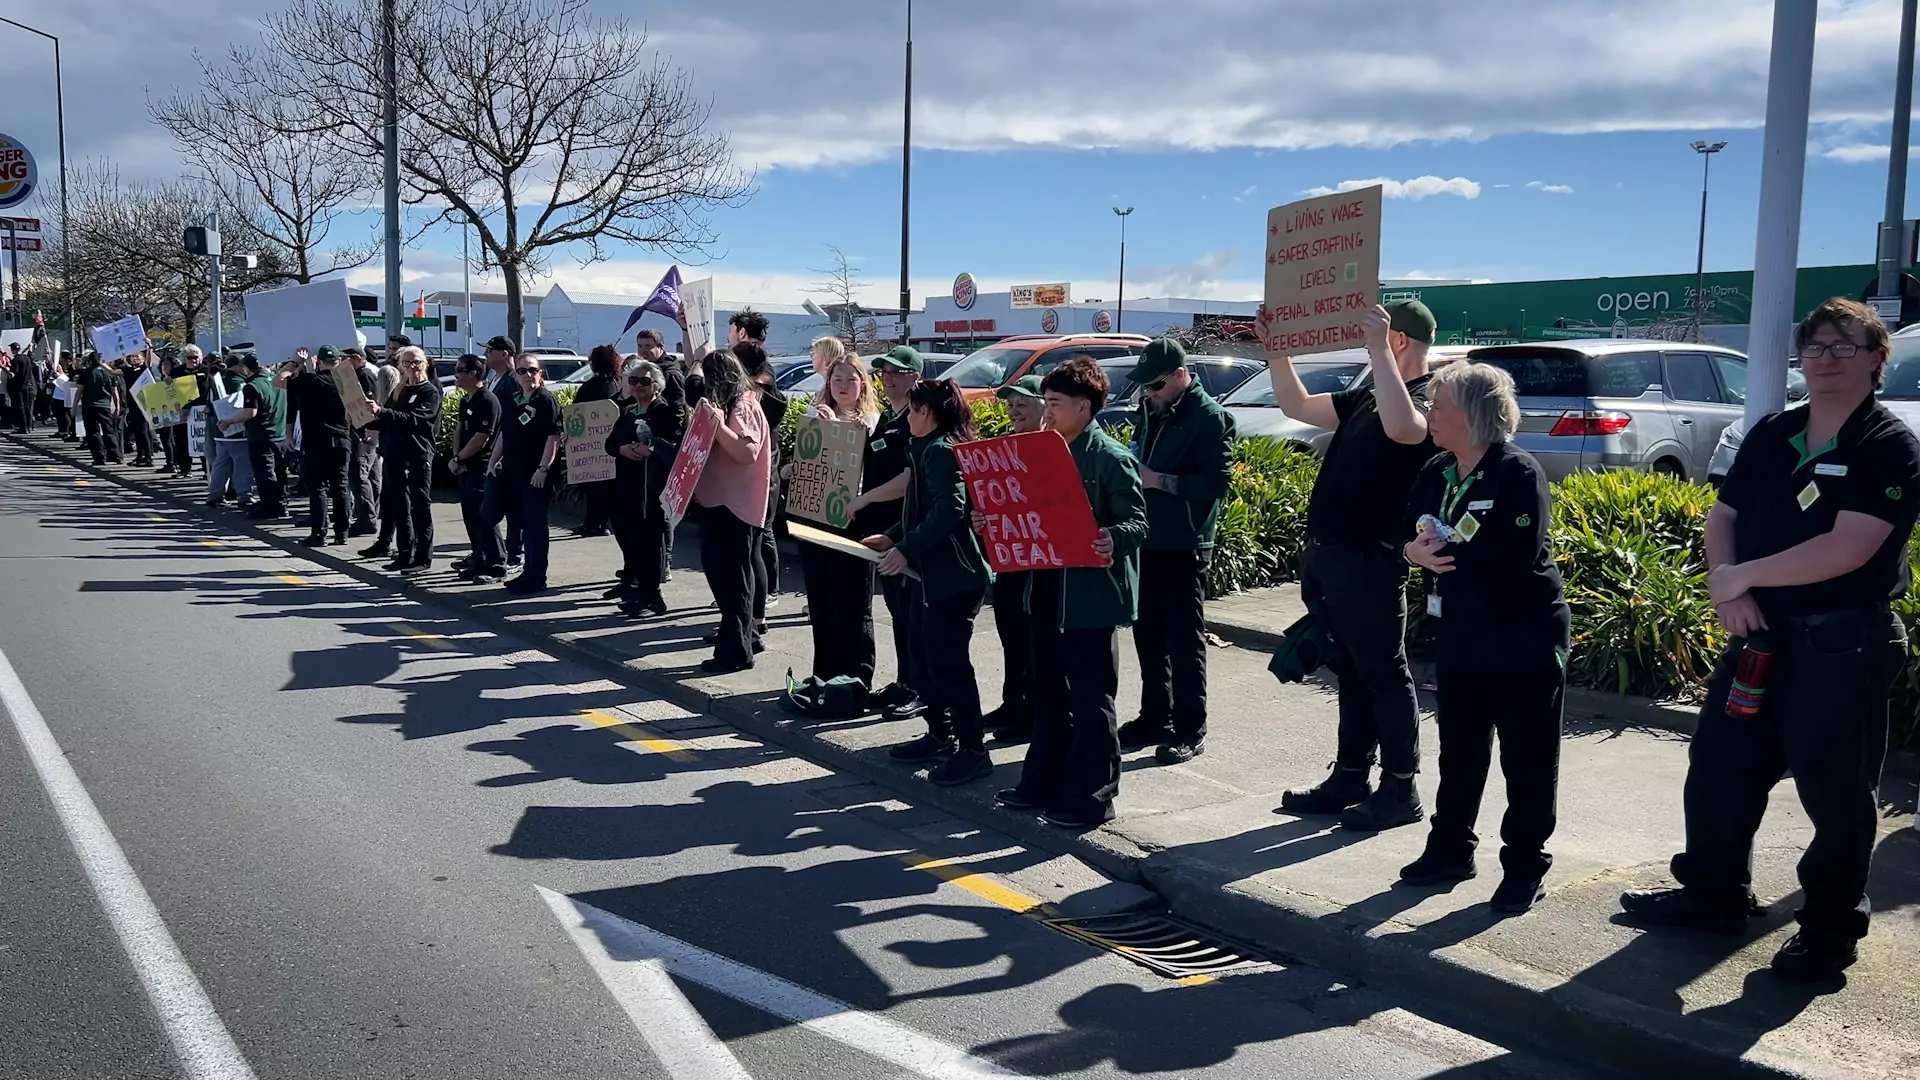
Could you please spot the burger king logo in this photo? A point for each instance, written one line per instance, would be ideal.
(1049, 321)
(1103, 322)
(964, 292)
(18, 174)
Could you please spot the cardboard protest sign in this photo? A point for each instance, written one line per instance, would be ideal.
(1323, 272)
(197, 431)
(295, 317)
(836, 542)
(1029, 490)
(586, 425)
(165, 400)
(826, 469)
(119, 339)
(689, 463)
(696, 302)
(346, 381)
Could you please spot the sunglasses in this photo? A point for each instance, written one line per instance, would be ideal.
(639, 380)
(1159, 384)
(527, 371)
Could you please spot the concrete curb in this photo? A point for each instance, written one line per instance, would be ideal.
(1477, 987)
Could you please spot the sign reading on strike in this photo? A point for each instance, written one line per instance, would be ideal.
(1323, 272)
(826, 469)
(689, 463)
(586, 425)
(1028, 489)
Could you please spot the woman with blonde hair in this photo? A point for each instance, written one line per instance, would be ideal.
(827, 351)
(840, 586)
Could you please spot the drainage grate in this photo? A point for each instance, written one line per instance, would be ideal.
(1173, 948)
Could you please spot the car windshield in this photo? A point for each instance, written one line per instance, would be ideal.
(988, 368)
(1902, 382)
(1317, 378)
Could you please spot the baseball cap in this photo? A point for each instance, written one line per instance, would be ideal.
(1412, 318)
(902, 358)
(1025, 386)
(1161, 357)
(499, 342)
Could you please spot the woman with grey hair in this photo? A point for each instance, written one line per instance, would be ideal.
(1477, 520)
(643, 443)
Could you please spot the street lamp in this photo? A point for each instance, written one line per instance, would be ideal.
(906, 187)
(66, 229)
(1119, 320)
(1706, 150)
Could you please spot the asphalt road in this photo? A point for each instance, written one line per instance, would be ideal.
(373, 840)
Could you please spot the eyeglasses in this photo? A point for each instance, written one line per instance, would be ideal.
(527, 371)
(1159, 384)
(1840, 350)
(639, 380)
(409, 363)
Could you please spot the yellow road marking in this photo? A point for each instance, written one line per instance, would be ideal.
(211, 543)
(639, 736)
(293, 579)
(980, 885)
(157, 517)
(1194, 980)
(51, 468)
(432, 641)
(84, 483)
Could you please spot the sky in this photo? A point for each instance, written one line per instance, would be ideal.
(1518, 139)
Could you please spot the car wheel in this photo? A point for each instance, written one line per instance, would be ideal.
(1666, 466)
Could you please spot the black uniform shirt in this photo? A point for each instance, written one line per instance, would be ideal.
(410, 420)
(885, 458)
(1366, 477)
(1786, 493)
(479, 415)
(312, 397)
(525, 429)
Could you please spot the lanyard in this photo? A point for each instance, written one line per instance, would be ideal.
(1456, 490)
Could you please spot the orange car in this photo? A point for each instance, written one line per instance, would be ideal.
(986, 370)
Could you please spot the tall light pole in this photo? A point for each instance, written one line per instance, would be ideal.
(906, 185)
(1783, 173)
(1706, 150)
(66, 224)
(1892, 228)
(1119, 320)
(390, 135)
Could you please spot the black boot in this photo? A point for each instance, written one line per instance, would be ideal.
(1342, 788)
(1396, 803)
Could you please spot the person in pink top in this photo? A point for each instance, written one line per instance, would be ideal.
(732, 496)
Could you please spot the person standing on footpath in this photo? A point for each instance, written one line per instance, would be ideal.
(505, 386)
(1184, 444)
(326, 446)
(137, 430)
(643, 444)
(1478, 523)
(186, 365)
(602, 385)
(1807, 544)
(1012, 720)
(883, 478)
(386, 382)
(936, 540)
(523, 456)
(472, 447)
(650, 346)
(407, 424)
(363, 467)
(231, 468)
(732, 495)
(1352, 575)
(263, 416)
(773, 406)
(24, 386)
(100, 397)
(840, 586)
(1072, 771)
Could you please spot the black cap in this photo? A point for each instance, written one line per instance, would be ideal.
(499, 342)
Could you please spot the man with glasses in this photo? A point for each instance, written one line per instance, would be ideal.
(523, 458)
(407, 425)
(473, 446)
(1184, 444)
(1807, 544)
(505, 387)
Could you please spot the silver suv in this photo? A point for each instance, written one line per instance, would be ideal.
(1622, 404)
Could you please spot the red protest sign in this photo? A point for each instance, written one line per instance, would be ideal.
(1028, 489)
(692, 460)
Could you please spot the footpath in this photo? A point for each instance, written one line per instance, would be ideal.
(1207, 838)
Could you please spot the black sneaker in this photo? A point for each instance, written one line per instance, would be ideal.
(1079, 820)
(514, 561)
(619, 591)
(717, 666)
(461, 566)
(417, 567)
(1342, 788)
(1014, 799)
(1812, 958)
(524, 586)
(400, 562)
(1686, 908)
(965, 766)
(1140, 733)
(312, 540)
(376, 551)
(928, 747)
(1395, 803)
(365, 528)
(1518, 893)
(1017, 732)
(1180, 751)
(1430, 869)
(904, 710)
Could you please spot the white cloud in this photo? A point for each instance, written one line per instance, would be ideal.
(1864, 153)
(1249, 192)
(1418, 188)
(1551, 189)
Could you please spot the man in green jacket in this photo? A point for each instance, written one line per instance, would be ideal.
(1184, 444)
(1073, 766)
(263, 415)
(101, 397)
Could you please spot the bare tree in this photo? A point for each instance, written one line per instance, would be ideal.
(841, 284)
(247, 148)
(531, 120)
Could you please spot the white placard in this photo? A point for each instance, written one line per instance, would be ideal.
(284, 321)
(696, 301)
(119, 339)
(197, 431)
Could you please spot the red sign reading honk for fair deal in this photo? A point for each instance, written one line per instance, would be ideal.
(1028, 490)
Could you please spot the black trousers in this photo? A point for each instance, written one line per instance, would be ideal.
(103, 436)
(139, 437)
(766, 571)
(1170, 638)
(640, 528)
(1073, 763)
(365, 472)
(1824, 718)
(1010, 621)
(63, 419)
(1362, 595)
(599, 497)
(483, 533)
(179, 454)
(268, 476)
(24, 404)
(324, 464)
(408, 503)
(942, 636)
(726, 555)
(840, 609)
(1523, 699)
(895, 591)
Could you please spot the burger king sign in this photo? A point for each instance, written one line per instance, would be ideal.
(18, 174)
(964, 292)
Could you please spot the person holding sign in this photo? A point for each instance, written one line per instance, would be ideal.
(732, 495)
(1072, 771)
(1352, 575)
(263, 416)
(1478, 523)
(876, 509)
(407, 424)
(1012, 720)
(100, 398)
(602, 385)
(643, 444)
(1184, 443)
(935, 540)
(840, 585)
(326, 444)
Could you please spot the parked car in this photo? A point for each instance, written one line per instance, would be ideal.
(1900, 391)
(986, 370)
(1256, 414)
(1218, 375)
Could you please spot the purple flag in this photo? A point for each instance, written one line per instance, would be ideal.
(665, 300)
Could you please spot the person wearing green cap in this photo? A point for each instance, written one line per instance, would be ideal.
(883, 478)
(1352, 575)
(1012, 720)
(1183, 441)
(326, 445)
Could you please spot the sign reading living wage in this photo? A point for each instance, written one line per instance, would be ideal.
(689, 463)
(826, 469)
(1323, 272)
(1028, 489)
(586, 425)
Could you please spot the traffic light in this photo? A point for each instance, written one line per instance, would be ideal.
(202, 241)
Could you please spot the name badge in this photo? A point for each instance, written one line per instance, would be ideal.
(1483, 504)
(1807, 495)
(879, 445)
(1829, 470)
(1468, 526)
(1433, 604)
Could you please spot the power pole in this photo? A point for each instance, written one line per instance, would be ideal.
(214, 248)
(906, 188)
(1893, 229)
(1783, 173)
(390, 135)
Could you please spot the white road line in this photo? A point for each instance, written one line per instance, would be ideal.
(628, 945)
(673, 1029)
(201, 1042)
